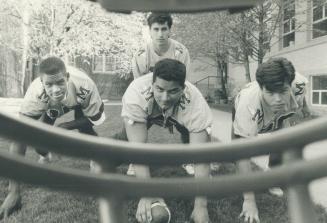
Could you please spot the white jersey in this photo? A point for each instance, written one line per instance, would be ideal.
(252, 117)
(299, 87)
(145, 59)
(81, 91)
(192, 111)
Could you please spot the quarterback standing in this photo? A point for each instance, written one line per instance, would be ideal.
(160, 47)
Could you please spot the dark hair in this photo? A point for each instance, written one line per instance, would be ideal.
(170, 70)
(52, 65)
(274, 73)
(161, 18)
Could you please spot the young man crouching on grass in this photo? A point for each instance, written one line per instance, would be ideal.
(164, 98)
(55, 92)
(263, 106)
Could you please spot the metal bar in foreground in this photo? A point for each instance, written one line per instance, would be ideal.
(300, 205)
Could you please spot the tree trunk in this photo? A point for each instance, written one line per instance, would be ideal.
(221, 73)
(9, 73)
(261, 39)
(25, 44)
(246, 51)
(247, 69)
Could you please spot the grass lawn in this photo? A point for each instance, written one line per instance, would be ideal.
(45, 206)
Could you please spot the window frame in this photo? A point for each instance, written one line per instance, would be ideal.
(289, 21)
(324, 17)
(317, 91)
(71, 61)
(104, 65)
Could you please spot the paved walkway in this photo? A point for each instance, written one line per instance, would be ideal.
(222, 125)
(221, 130)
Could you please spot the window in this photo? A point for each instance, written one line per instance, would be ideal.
(319, 18)
(288, 23)
(71, 60)
(105, 63)
(110, 63)
(98, 63)
(319, 90)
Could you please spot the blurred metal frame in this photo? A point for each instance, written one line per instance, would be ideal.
(179, 6)
(112, 189)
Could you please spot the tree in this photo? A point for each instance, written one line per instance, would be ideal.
(252, 31)
(84, 29)
(206, 39)
(232, 38)
(35, 28)
(241, 43)
(264, 20)
(10, 51)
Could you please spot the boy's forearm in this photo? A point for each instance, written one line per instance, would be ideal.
(201, 171)
(244, 166)
(142, 171)
(248, 196)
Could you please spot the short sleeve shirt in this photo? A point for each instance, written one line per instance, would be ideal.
(145, 59)
(81, 91)
(250, 116)
(192, 111)
(299, 87)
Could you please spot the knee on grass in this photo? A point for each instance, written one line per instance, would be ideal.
(41, 152)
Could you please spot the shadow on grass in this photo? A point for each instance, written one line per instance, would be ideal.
(272, 209)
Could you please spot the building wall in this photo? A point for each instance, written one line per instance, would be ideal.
(237, 75)
(200, 69)
(309, 56)
(310, 60)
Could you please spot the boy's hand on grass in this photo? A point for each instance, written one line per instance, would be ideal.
(250, 211)
(200, 214)
(143, 213)
(10, 204)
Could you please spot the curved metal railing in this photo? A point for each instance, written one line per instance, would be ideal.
(106, 184)
(295, 176)
(37, 134)
(128, 6)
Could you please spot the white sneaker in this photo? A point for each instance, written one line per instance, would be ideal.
(189, 168)
(94, 167)
(45, 159)
(131, 170)
(214, 166)
(277, 191)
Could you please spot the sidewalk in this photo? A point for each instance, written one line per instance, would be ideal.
(222, 125)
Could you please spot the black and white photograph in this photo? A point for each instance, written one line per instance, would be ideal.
(163, 111)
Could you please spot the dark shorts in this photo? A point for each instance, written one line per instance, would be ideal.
(78, 113)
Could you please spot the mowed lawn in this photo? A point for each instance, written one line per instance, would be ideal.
(41, 205)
